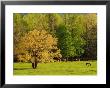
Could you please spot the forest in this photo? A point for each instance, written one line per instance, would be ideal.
(54, 37)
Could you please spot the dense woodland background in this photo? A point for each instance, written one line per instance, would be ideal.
(51, 37)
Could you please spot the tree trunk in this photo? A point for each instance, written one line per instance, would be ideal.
(34, 63)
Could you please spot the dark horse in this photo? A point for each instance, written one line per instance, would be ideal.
(88, 64)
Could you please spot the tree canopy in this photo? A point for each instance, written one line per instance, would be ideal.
(46, 36)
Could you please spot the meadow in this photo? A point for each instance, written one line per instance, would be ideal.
(57, 68)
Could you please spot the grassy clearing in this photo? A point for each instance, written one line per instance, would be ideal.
(57, 68)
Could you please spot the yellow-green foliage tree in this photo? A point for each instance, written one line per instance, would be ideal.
(90, 35)
(19, 29)
(38, 44)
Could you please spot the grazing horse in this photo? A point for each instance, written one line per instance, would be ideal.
(88, 64)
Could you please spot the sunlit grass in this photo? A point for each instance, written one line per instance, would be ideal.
(57, 68)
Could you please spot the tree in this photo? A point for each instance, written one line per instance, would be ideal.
(91, 36)
(19, 31)
(38, 44)
(35, 21)
(77, 29)
(70, 35)
(54, 20)
(65, 42)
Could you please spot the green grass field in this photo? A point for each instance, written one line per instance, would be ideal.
(57, 68)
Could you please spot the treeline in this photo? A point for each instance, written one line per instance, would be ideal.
(48, 37)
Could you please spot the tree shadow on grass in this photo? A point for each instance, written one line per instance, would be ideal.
(22, 68)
